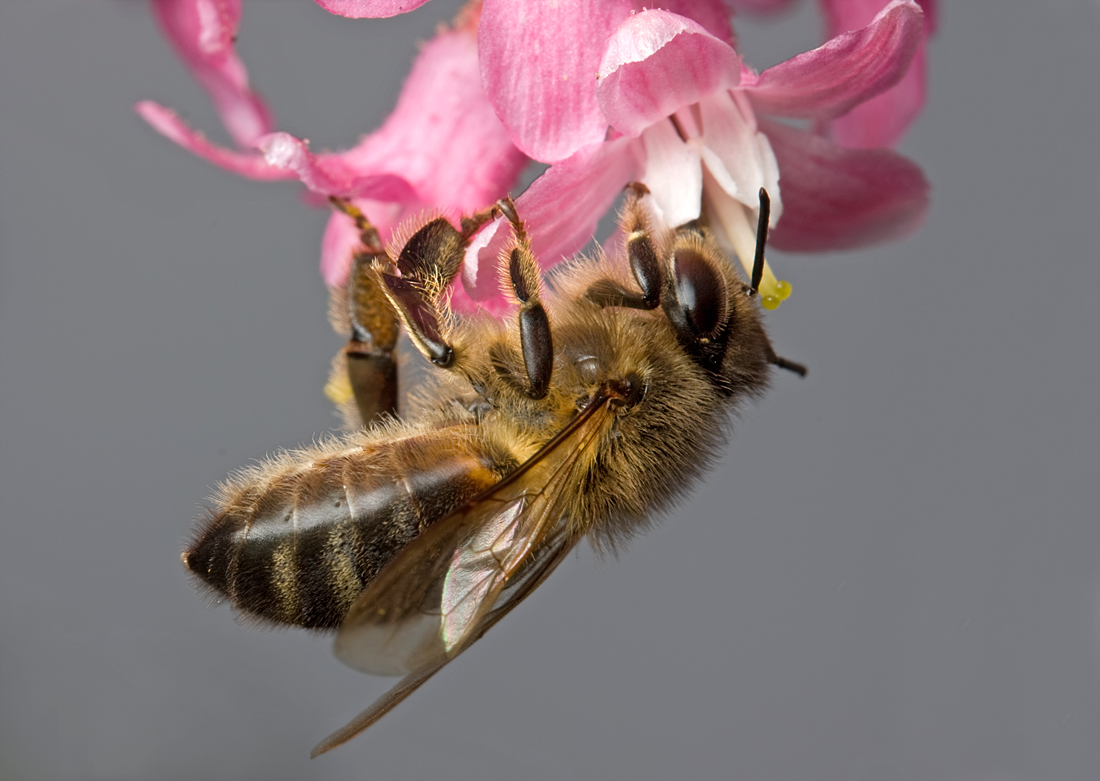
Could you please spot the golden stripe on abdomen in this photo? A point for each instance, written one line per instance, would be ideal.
(301, 550)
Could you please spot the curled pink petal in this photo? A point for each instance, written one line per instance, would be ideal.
(837, 198)
(883, 119)
(844, 15)
(657, 62)
(539, 62)
(846, 71)
(369, 9)
(478, 286)
(330, 174)
(443, 137)
(203, 33)
(560, 210)
(248, 164)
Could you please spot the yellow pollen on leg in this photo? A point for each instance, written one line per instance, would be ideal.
(338, 389)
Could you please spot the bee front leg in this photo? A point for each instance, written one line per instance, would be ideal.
(534, 324)
(643, 261)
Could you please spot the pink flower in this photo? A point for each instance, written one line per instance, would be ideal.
(406, 167)
(608, 93)
(681, 114)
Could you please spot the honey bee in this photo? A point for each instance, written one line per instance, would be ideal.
(595, 409)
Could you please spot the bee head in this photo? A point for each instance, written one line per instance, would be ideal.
(715, 316)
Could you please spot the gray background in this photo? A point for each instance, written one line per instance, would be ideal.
(893, 574)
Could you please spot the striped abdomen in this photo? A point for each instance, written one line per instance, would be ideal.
(296, 541)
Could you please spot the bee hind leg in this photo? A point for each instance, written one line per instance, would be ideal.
(367, 365)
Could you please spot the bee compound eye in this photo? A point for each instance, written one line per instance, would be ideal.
(700, 291)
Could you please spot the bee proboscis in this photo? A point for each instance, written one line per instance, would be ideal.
(592, 410)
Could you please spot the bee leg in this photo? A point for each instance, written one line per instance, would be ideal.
(534, 325)
(643, 261)
(371, 370)
(415, 281)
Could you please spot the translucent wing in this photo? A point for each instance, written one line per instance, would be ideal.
(447, 587)
(544, 562)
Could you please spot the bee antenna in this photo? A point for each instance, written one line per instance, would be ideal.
(761, 241)
(790, 366)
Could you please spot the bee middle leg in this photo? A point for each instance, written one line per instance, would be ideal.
(534, 325)
(415, 280)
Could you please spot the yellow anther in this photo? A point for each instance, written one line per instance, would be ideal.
(772, 290)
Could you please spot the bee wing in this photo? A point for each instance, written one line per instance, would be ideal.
(544, 561)
(464, 573)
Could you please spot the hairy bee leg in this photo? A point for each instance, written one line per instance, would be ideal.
(643, 260)
(534, 324)
(371, 366)
(368, 355)
(425, 267)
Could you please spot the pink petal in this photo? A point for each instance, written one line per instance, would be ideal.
(330, 174)
(443, 137)
(837, 198)
(539, 62)
(885, 118)
(561, 210)
(563, 206)
(248, 164)
(844, 15)
(846, 71)
(203, 33)
(657, 62)
(369, 9)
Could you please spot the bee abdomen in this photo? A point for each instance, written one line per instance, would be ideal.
(296, 543)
